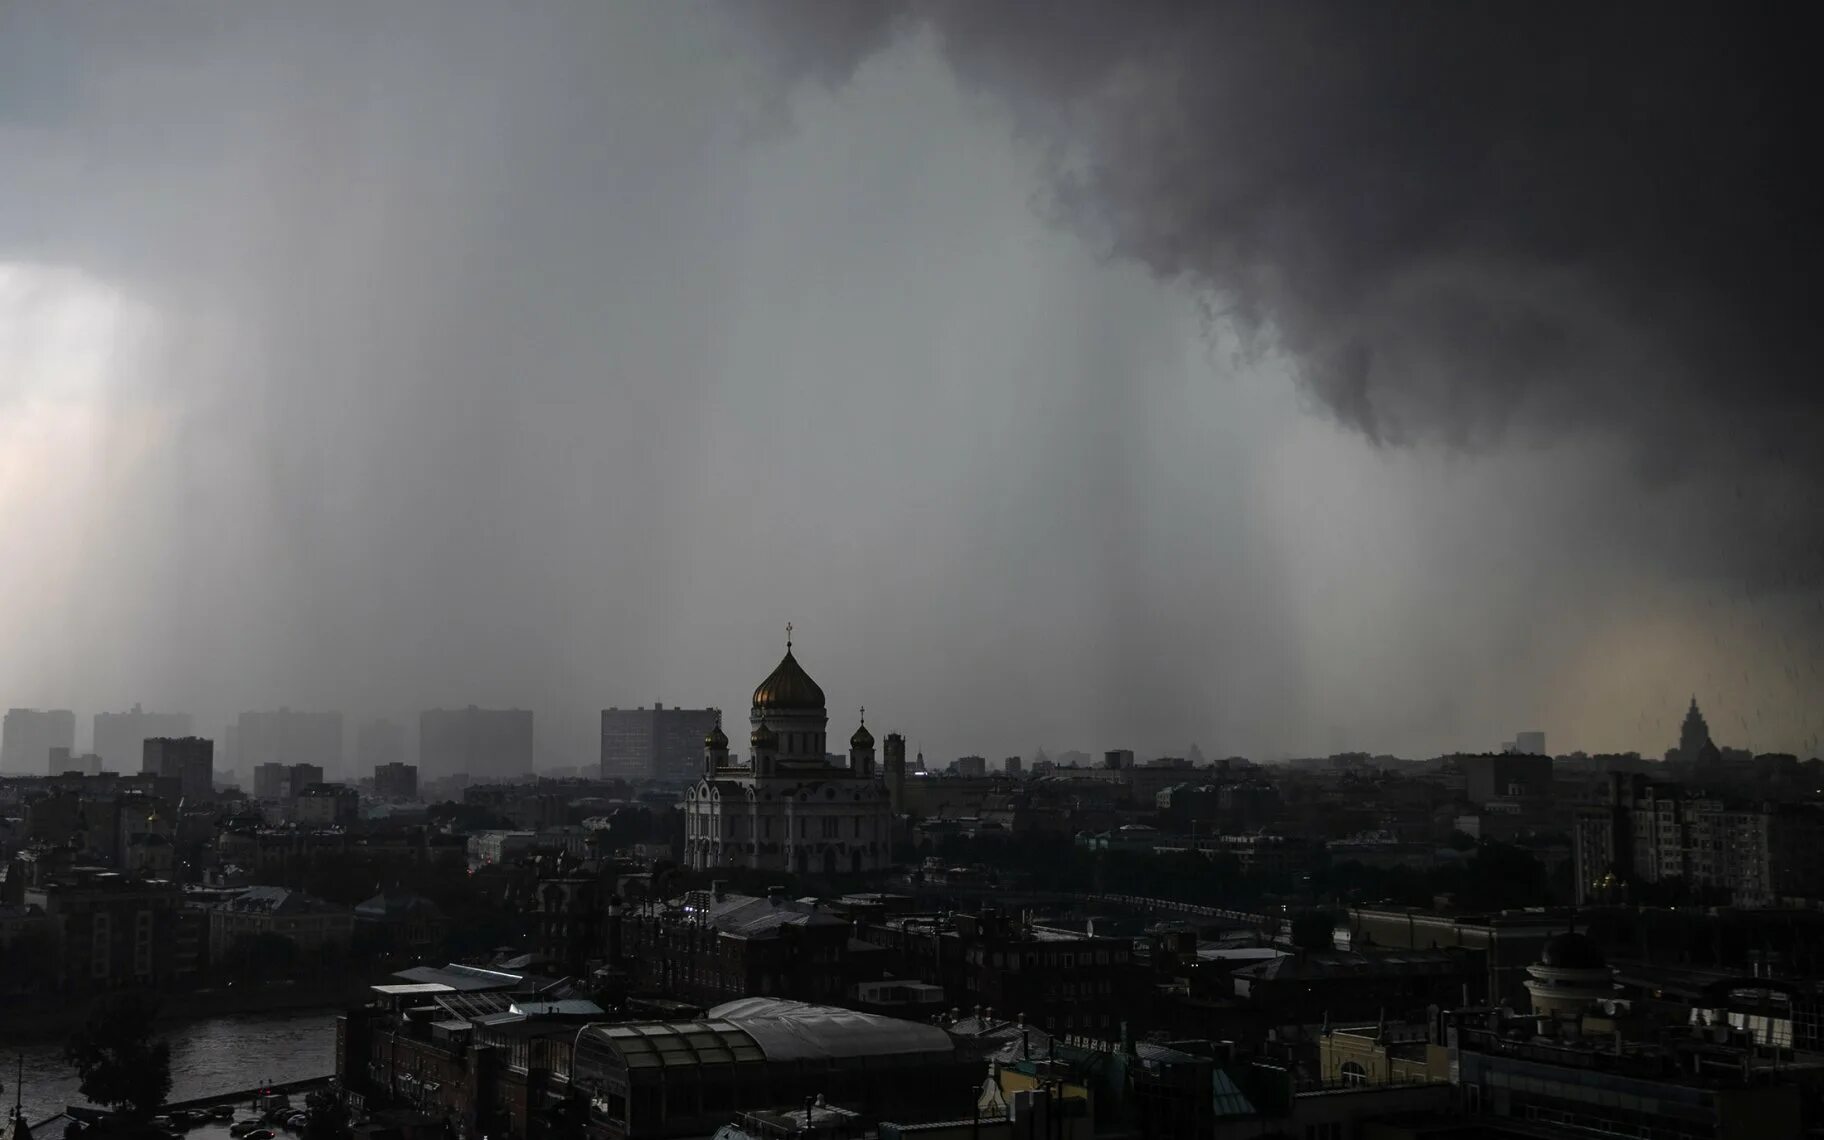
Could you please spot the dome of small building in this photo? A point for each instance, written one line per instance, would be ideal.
(789, 687)
(1572, 951)
(717, 739)
(862, 738)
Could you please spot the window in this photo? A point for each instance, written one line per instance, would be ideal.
(1354, 1074)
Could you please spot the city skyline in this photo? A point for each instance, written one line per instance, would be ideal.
(559, 378)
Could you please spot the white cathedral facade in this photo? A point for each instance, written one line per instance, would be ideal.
(789, 808)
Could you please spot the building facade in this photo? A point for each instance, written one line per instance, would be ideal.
(789, 808)
(396, 781)
(1649, 833)
(190, 760)
(316, 927)
(661, 744)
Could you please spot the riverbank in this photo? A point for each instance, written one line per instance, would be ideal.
(56, 1016)
(210, 1057)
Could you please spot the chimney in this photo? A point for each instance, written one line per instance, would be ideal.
(718, 889)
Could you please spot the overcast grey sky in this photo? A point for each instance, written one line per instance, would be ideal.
(375, 357)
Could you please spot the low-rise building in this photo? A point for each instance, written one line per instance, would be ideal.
(315, 927)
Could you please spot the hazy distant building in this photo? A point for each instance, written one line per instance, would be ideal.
(63, 761)
(190, 760)
(286, 737)
(1013, 765)
(790, 808)
(396, 781)
(28, 735)
(656, 743)
(974, 767)
(1529, 743)
(379, 743)
(1117, 758)
(120, 737)
(479, 742)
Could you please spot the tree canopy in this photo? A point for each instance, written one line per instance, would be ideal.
(121, 1065)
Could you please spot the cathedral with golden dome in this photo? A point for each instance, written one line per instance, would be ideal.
(791, 806)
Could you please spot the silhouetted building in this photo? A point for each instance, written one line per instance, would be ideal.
(28, 735)
(790, 808)
(396, 781)
(1693, 737)
(1013, 765)
(1506, 776)
(379, 742)
(655, 744)
(286, 737)
(1118, 758)
(270, 781)
(970, 767)
(120, 738)
(190, 760)
(477, 742)
(117, 930)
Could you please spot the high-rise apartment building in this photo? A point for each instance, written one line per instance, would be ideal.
(120, 737)
(1013, 765)
(396, 781)
(190, 760)
(28, 735)
(1649, 832)
(285, 737)
(480, 742)
(655, 744)
(973, 767)
(270, 781)
(379, 743)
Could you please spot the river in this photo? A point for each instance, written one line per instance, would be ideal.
(208, 1056)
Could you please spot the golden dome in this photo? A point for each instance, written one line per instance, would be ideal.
(764, 738)
(789, 687)
(862, 738)
(716, 738)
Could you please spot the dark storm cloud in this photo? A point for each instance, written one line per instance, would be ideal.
(1464, 221)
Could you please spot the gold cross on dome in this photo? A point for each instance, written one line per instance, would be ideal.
(788, 636)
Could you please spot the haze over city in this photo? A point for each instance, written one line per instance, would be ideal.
(1110, 392)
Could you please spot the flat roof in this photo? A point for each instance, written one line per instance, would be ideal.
(413, 988)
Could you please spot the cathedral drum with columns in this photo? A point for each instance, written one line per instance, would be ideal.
(789, 808)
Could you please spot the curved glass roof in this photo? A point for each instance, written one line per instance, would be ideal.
(656, 1044)
(796, 1030)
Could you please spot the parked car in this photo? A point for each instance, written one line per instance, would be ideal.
(262, 1134)
(243, 1127)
